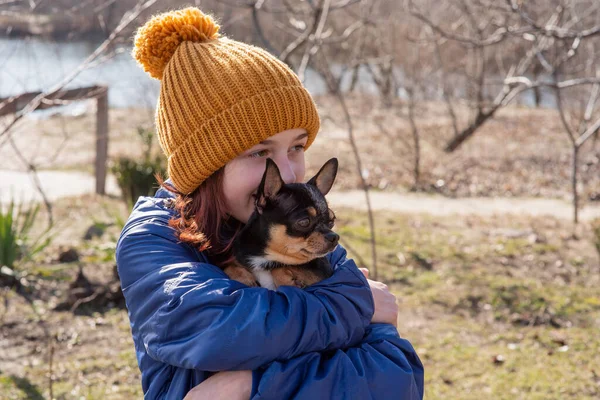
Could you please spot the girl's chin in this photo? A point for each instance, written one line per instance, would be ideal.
(250, 209)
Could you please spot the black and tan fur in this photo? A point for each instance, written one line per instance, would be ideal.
(288, 235)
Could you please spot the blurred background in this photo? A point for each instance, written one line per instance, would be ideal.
(467, 134)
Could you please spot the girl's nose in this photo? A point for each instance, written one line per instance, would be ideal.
(286, 170)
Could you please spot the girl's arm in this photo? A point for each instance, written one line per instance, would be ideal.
(190, 314)
(383, 366)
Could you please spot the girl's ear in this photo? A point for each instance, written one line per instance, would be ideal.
(323, 180)
(270, 185)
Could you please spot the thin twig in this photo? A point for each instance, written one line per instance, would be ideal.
(364, 185)
(321, 17)
(355, 253)
(33, 171)
(445, 91)
(575, 151)
(50, 366)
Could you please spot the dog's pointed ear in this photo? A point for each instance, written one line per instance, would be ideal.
(324, 179)
(270, 185)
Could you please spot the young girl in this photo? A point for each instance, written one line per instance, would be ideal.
(224, 107)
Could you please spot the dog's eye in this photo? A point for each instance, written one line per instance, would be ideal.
(303, 223)
(331, 219)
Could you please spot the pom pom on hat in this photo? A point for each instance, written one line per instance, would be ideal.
(157, 40)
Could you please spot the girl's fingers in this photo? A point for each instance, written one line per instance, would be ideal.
(365, 272)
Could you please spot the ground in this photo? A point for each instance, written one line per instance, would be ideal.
(499, 305)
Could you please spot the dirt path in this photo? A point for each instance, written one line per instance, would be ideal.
(439, 205)
(58, 184)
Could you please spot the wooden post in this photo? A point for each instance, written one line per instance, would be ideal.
(15, 104)
(101, 142)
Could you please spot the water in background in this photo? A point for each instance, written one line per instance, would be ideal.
(28, 65)
(32, 64)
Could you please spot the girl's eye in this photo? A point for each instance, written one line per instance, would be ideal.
(303, 223)
(299, 147)
(259, 154)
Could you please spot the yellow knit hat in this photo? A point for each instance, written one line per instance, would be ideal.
(218, 97)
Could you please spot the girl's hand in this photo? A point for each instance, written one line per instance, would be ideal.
(386, 309)
(224, 385)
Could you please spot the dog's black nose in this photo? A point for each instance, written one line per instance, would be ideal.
(332, 237)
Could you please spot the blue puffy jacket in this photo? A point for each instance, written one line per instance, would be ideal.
(189, 320)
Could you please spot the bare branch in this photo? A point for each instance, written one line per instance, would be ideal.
(416, 138)
(496, 37)
(359, 167)
(561, 111)
(445, 90)
(322, 14)
(257, 27)
(33, 171)
(595, 92)
(346, 34)
(292, 47)
(588, 133)
(523, 80)
(553, 31)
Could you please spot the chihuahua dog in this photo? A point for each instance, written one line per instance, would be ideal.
(288, 235)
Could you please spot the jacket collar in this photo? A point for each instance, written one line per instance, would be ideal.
(162, 193)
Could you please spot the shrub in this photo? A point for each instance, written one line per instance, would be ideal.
(137, 178)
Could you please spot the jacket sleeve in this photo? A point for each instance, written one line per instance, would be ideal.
(189, 314)
(383, 366)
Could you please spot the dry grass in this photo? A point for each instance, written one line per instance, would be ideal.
(497, 308)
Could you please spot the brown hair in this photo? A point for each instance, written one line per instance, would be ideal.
(202, 220)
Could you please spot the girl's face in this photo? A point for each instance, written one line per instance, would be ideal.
(243, 174)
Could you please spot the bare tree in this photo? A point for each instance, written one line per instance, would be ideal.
(534, 39)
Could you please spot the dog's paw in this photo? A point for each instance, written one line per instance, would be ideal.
(288, 276)
(284, 277)
(241, 274)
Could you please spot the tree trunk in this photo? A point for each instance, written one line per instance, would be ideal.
(574, 169)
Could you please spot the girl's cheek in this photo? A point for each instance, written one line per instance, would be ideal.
(254, 177)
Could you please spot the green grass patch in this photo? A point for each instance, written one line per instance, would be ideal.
(16, 388)
(491, 316)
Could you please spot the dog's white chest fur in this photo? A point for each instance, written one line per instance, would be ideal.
(263, 276)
